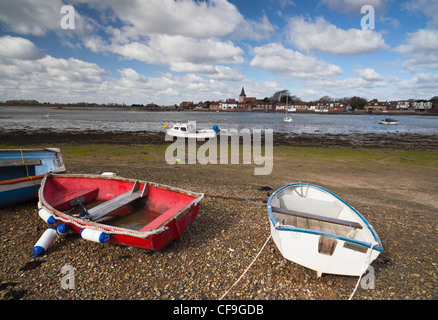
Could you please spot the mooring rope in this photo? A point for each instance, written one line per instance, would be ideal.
(27, 170)
(250, 200)
(258, 254)
(365, 268)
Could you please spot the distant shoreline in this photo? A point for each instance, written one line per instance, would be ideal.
(168, 109)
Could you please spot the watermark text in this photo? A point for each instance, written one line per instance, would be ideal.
(225, 149)
(68, 20)
(367, 21)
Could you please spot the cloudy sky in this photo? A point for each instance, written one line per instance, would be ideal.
(166, 51)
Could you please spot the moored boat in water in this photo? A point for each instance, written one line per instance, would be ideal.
(388, 121)
(188, 130)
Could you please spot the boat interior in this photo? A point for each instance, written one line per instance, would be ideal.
(296, 207)
(135, 205)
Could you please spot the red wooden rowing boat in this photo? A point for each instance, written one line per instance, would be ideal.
(131, 212)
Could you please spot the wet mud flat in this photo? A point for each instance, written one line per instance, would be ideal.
(389, 140)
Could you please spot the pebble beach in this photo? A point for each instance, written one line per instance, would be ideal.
(391, 180)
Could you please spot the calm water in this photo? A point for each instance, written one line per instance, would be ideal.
(106, 119)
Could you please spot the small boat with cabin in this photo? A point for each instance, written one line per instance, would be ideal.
(189, 131)
(388, 121)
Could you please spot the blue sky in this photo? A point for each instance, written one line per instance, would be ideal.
(167, 51)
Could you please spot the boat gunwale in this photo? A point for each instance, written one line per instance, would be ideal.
(21, 182)
(57, 150)
(378, 246)
(82, 223)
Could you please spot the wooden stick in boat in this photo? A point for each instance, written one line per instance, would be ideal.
(317, 217)
(12, 181)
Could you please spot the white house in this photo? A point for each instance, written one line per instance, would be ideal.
(422, 105)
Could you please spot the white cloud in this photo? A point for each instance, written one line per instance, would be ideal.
(194, 19)
(252, 29)
(184, 49)
(31, 17)
(420, 84)
(422, 47)
(279, 60)
(31, 75)
(420, 41)
(322, 36)
(368, 74)
(179, 53)
(28, 17)
(73, 80)
(182, 35)
(135, 51)
(18, 48)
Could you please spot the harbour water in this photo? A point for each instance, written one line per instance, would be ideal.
(37, 119)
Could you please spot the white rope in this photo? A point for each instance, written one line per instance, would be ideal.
(253, 202)
(246, 268)
(365, 268)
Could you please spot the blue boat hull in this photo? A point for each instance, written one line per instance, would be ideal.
(21, 172)
(11, 197)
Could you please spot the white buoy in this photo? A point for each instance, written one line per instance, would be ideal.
(46, 215)
(62, 230)
(108, 174)
(44, 242)
(94, 235)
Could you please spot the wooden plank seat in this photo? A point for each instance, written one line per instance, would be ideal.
(115, 203)
(16, 163)
(302, 215)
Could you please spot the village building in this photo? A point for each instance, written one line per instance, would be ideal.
(262, 105)
(422, 105)
(245, 103)
(403, 104)
(280, 106)
(215, 105)
(338, 107)
(186, 104)
(377, 106)
(229, 104)
(297, 107)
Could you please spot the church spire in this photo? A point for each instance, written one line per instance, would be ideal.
(242, 95)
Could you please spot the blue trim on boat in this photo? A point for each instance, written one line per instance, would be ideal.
(48, 162)
(295, 229)
(11, 197)
(51, 161)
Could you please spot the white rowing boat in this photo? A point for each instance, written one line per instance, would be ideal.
(315, 228)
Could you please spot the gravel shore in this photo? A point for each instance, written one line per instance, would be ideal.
(399, 198)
